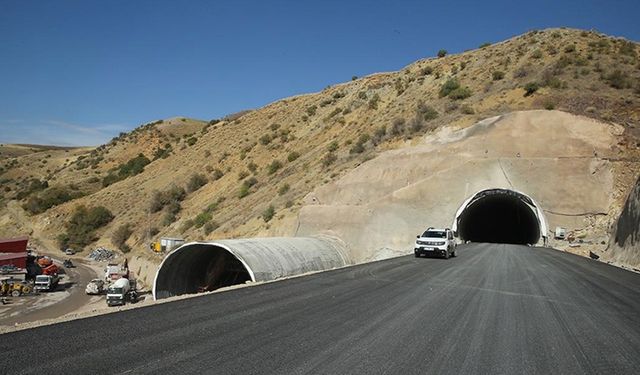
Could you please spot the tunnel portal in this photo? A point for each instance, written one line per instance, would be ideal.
(201, 269)
(500, 216)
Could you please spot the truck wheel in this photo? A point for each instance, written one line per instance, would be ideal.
(417, 255)
(446, 254)
(15, 293)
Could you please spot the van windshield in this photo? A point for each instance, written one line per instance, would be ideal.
(434, 234)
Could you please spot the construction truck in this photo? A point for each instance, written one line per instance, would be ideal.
(46, 283)
(115, 271)
(121, 291)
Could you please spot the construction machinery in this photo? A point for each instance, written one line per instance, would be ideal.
(121, 291)
(46, 283)
(115, 271)
(15, 288)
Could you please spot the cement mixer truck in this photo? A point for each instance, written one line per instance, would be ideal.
(120, 291)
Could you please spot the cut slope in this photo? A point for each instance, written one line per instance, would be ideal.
(564, 162)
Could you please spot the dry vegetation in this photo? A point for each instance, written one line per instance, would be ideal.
(246, 174)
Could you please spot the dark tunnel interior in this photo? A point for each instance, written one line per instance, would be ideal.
(499, 218)
(199, 268)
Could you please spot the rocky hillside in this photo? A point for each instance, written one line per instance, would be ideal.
(247, 174)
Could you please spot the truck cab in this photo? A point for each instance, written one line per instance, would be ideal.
(435, 242)
(46, 283)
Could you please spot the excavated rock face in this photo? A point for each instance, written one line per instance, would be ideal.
(564, 162)
(625, 242)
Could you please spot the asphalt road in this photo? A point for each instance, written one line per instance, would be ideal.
(495, 309)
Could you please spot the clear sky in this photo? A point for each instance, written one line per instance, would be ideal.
(79, 72)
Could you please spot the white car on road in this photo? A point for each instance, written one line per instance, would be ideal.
(438, 242)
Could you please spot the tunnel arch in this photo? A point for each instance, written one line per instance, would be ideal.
(205, 266)
(501, 216)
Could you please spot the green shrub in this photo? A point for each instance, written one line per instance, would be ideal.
(253, 167)
(283, 189)
(168, 219)
(618, 79)
(627, 48)
(131, 168)
(34, 186)
(460, 93)
(328, 159)
(274, 166)
(397, 126)
(427, 112)
(192, 141)
(379, 134)
(531, 88)
(358, 148)
(442, 53)
(570, 48)
(485, 45)
(160, 199)
(121, 235)
(293, 155)
(265, 139)
(216, 175)
(427, 70)
(196, 181)
(311, 110)
(333, 146)
(202, 219)
(373, 102)
(537, 54)
(467, 109)
(268, 213)
(82, 225)
(362, 95)
(497, 75)
(51, 197)
(246, 186)
(163, 153)
(447, 87)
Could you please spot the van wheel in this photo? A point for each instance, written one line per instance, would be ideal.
(417, 255)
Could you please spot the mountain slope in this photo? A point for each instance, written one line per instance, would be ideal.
(258, 165)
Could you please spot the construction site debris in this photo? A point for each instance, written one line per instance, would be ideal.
(100, 254)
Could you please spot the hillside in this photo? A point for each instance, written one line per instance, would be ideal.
(247, 174)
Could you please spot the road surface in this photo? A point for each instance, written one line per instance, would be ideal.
(495, 309)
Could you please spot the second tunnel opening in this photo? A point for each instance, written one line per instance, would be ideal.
(499, 216)
(199, 268)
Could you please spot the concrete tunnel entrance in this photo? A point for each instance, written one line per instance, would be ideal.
(500, 216)
(201, 269)
(198, 267)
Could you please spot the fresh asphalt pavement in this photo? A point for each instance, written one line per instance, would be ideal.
(494, 309)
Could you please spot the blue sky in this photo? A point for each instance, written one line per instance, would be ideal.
(79, 72)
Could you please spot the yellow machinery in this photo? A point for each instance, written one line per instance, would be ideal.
(15, 288)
